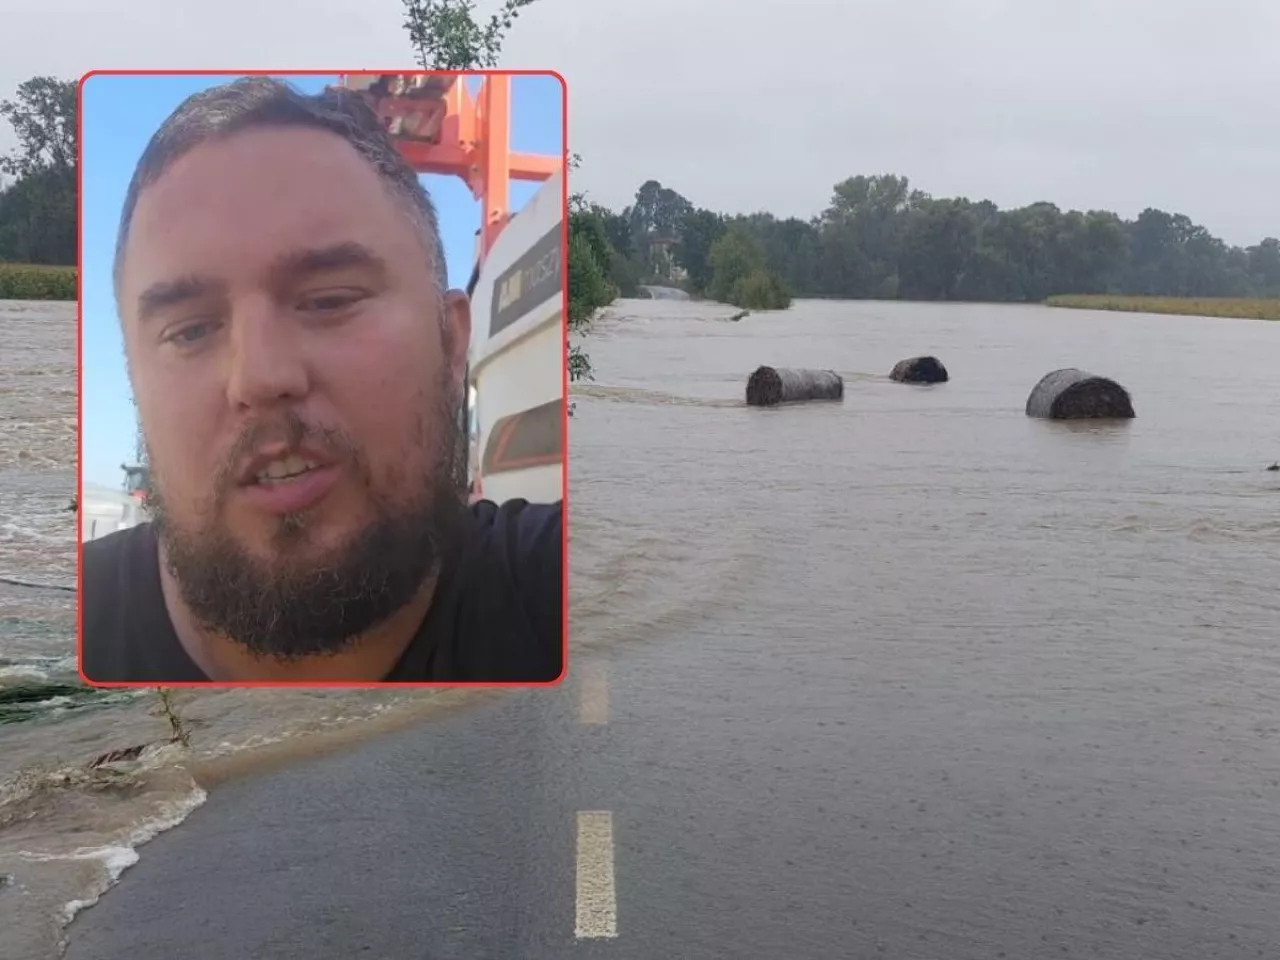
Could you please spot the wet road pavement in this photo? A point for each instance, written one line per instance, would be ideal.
(737, 831)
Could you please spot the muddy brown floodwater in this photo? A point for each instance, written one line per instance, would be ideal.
(1028, 671)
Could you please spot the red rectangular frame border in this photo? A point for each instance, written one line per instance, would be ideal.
(564, 416)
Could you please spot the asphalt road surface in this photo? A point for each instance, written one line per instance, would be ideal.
(644, 812)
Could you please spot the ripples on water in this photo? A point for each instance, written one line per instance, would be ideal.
(914, 509)
(37, 532)
(1064, 636)
(1092, 604)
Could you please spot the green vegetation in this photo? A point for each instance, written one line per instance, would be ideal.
(663, 239)
(880, 239)
(26, 281)
(1237, 307)
(168, 708)
(739, 275)
(598, 273)
(446, 36)
(38, 192)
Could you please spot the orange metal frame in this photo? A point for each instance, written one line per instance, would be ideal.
(441, 128)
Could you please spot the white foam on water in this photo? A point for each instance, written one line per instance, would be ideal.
(117, 858)
(21, 531)
(255, 742)
(24, 670)
(322, 724)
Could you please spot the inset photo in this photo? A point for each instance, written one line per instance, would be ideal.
(323, 368)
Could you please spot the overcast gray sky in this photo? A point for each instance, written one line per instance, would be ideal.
(745, 105)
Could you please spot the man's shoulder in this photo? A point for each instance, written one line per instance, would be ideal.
(520, 526)
(509, 594)
(103, 557)
(524, 538)
(116, 599)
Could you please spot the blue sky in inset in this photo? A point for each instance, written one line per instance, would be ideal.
(119, 115)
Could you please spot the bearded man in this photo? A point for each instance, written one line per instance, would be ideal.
(299, 366)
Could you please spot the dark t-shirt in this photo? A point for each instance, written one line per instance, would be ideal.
(497, 615)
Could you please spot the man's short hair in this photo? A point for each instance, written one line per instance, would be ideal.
(266, 102)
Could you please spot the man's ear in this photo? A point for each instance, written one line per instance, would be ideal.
(457, 320)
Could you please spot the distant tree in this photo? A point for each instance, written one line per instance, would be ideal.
(617, 228)
(38, 199)
(446, 35)
(938, 241)
(1264, 265)
(739, 274)
(880, 238)
(643, 213)
(669, 212)
(38, 220)
(1108, 252)
(699, 230)
(657, 215)
(43, 117)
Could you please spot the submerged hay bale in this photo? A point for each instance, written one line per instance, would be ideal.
(919, 370)
(769, 386)
(1071, 394)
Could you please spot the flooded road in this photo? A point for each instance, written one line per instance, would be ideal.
(907, 676)
(37, 531)
(941, 679)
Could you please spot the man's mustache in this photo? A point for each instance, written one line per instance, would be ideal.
(289, 431)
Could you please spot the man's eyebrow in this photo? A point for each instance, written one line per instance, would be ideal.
(286, 268)
(168, 293)
(299, 263)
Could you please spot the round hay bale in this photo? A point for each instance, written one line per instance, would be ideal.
(770, 386)
(1071, 394)
(919, 370)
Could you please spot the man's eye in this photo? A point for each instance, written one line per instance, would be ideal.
(330, 302)
(192, 333)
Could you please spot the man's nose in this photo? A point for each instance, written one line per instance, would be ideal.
(267, 363)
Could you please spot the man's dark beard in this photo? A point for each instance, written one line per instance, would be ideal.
(286, 613)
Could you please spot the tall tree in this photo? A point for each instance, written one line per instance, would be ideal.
(644, 210)
(38, 205)
(43, 117)
(669, 212)
(656, 218)
(938, 242)
(699, 230)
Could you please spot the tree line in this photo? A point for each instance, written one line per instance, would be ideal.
(38, 176)
(879, 238)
